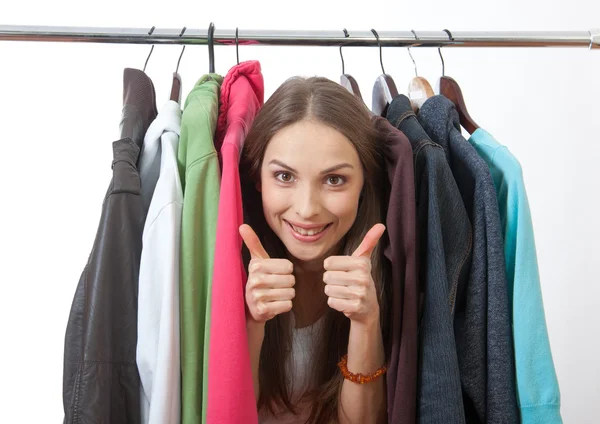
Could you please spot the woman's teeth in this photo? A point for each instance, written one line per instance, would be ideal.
(311, 232)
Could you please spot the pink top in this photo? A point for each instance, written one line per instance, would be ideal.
(231, 397)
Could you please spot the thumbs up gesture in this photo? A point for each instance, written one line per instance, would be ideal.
(348, 281)
(270, 286)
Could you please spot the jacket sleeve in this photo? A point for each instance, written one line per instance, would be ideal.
(158, 318)
(445, 248)
(100, 380)
(198, 233)
(537, 384)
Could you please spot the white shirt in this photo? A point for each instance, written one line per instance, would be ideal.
(167, 121)
(158, 294)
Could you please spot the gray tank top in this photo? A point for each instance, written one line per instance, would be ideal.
(297, 367)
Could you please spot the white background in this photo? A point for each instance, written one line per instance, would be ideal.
(60, 106)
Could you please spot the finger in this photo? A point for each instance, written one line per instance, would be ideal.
(271, 309)
(271, 281)
(347, 263)
(271, 266)
(339, 292)
(252, 242)
(339, 278)
(273, 295)
(344, 305)
(370, 241)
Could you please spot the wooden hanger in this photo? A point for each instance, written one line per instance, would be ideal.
(176, 88)
(450, 89)
(419, 89)
(384, 89)
(349, 83)
(346, 80)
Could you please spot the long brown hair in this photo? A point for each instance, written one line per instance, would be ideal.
(325, 101)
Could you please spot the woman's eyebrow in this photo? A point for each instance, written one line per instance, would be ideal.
(283, 165)
(326, 171)
(337, 167)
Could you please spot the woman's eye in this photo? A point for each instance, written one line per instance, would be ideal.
(335, 180)
(284, 177)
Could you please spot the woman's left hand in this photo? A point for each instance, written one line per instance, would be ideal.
(348, 281)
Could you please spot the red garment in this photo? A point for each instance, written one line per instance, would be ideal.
(231, 398)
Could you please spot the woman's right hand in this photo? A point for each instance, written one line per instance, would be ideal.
(270, 286)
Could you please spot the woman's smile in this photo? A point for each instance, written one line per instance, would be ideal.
(308, 234)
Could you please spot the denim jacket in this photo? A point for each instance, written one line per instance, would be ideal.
(444, 239)
(482, 321)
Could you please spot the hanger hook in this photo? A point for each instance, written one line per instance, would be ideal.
(346, 35)
(211, 48)
(450, 38)
(410, 54)
(182, 50)
(237, 52)
(151, 49)
(380, 53)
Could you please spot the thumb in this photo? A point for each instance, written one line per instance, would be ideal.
(252, 242)
(370, 241)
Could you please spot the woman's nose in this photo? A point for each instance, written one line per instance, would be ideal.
(307, 203)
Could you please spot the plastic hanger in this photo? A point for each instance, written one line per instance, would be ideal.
(419, 89)
(346, 80)
(384, 89)
(176, 86)
(450, 89)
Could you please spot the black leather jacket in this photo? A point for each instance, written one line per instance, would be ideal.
(100, 378)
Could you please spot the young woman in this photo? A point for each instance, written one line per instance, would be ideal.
(311, 177)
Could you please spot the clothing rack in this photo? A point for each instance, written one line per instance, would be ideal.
(211, 36)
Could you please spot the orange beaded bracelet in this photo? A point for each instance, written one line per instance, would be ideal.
(359, 378)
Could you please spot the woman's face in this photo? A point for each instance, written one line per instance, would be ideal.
(311, 180)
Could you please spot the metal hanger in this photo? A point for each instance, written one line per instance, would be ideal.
(419, 89)
(176, 86)
(450, 89)
(384, 89)
(151, 49)
(410, 54)
(237, 45)
(346, 80)
(442, 59)
(211, 48)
